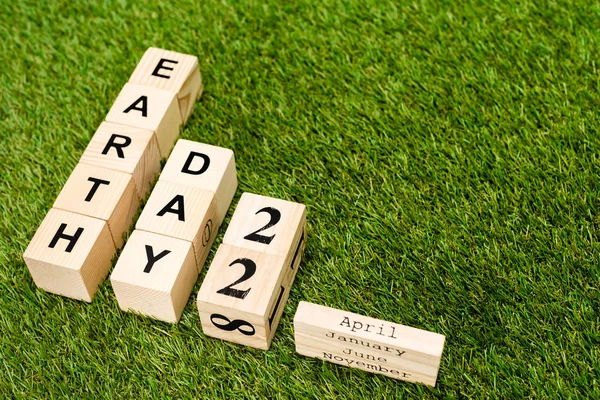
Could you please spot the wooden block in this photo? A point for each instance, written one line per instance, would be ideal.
(370, 344)
(205, 167)
(266, 224)
(243, 296)
(182, 212)
(101, 193)
(126, 149)
(154, 275)
(175, 72)
(70, 254)
(148, 108)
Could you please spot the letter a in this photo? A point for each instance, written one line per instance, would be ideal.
(170, 207)
(143, 108)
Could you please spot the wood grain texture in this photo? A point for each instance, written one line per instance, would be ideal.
(157, 289)
(126, 149)
(153, 109)
(101, 193)
(205, 167)
(178, 73)
(250, 216)
(367, 343)
(197, 208)
(75, 273)
(256, 296)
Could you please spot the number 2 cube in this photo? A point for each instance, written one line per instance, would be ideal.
(248, 283)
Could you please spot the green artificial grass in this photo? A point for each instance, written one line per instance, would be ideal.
(447, 152)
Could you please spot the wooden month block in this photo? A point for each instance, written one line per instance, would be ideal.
(243, 295)
(154, 275)
(101, 193)
(205, 167)
(266, 224)
(151, 109)
(369, 344)
(70, 254)
(172, 71)
(182, 212)
(126, 149)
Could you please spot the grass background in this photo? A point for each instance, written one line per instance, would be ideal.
(448, 154)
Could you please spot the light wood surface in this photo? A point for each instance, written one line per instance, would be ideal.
(249, 288)
(172, 71)
(205, 167)
(72, 267)
(251, 300)
(255, 212)
(101, 193)
(151, 109)
(367, 343)
(245, 290)
(197, 208)
(126, 149)
(154, 275)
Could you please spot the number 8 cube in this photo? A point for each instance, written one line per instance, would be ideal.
(246, 287)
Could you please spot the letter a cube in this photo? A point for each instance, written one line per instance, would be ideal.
(151, 109)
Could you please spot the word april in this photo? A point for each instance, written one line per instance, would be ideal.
(357, 326)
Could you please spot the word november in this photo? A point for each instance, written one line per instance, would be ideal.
(373, 345)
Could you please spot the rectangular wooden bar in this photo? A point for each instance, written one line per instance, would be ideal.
(370, 344)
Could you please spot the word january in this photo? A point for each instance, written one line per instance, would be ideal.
(364, 343)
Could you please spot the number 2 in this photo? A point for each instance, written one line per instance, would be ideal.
(275, 215)
(250, 269)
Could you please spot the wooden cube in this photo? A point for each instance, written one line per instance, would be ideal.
(70, 254)
(369, 344)
(126, 149)
(101, 193)
(243, 295)
(205, 167)
(266, 224)
(182, 212)
(175, 72)
(154, 275)
(148, 108)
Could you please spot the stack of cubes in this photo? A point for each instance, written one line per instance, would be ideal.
(160, 263)
(71, 252)
(250, 277)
